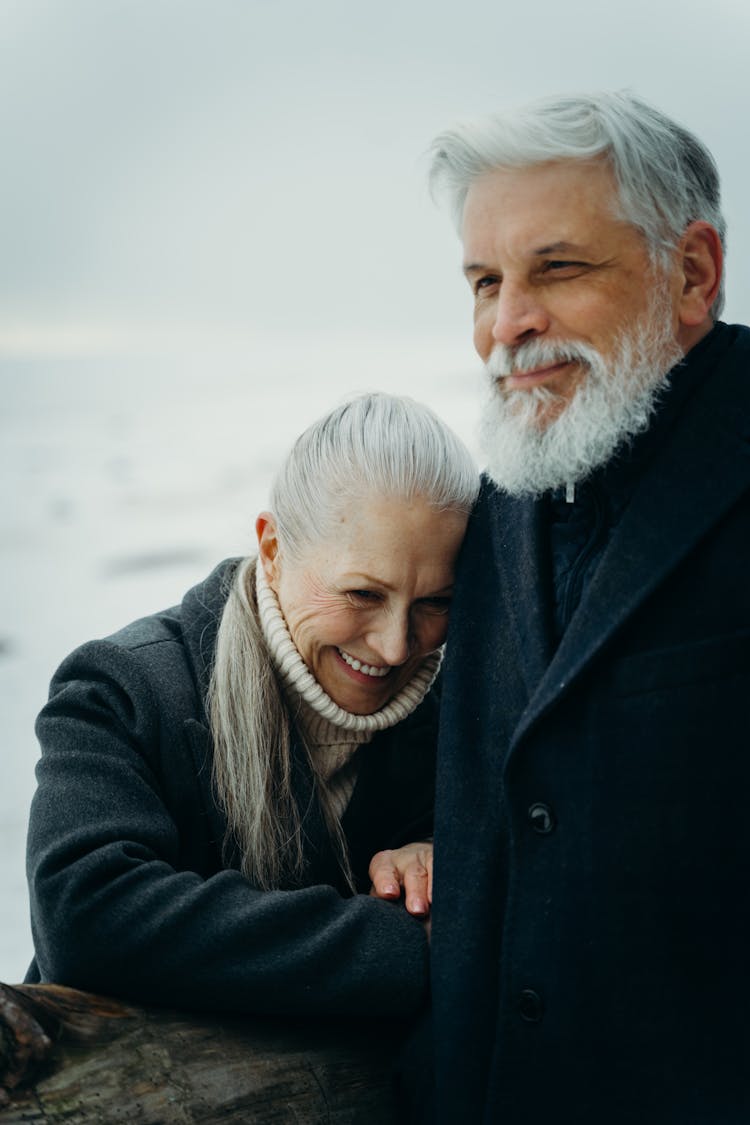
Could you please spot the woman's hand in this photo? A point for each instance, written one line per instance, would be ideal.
(409, 868)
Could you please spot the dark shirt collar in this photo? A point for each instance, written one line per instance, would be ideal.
(579, 531)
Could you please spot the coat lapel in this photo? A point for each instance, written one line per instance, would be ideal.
(519, 543)
(694, 479)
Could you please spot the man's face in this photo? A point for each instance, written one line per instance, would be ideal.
(549, 262)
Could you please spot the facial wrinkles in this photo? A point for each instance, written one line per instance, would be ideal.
(320, 601)
(385, 609)
(323, 606)
(402, 553)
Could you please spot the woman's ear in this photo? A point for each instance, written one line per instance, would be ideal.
(701, 260)
(268, 547)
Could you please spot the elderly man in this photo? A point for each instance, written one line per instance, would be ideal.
(591, 922)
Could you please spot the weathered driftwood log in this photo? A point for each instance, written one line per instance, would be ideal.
(69, 1056)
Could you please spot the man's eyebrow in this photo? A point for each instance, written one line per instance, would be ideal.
(474, 267)
(559, 247)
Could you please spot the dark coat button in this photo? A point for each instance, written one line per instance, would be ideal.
(542, 819)
(530, 1006)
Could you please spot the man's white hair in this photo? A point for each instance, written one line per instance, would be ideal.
(666, 178)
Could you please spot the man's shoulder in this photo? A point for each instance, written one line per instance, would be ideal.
(731, 349)
(494, 505)
(739, 332)
(719, 404)
(500, 527)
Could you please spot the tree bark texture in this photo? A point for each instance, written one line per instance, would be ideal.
(68, 1056)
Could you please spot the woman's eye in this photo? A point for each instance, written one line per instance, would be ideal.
(436, 605)
(364, 596)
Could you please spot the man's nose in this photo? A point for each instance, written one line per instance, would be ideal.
(519, 315)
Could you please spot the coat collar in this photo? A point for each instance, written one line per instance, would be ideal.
(518, 536)
(695, 476)
(200, 614)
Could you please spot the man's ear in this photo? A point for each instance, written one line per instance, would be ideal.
(268, 547)
(701, 261)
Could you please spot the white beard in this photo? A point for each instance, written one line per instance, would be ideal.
(614, 402)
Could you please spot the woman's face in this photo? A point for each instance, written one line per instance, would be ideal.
(367, 604)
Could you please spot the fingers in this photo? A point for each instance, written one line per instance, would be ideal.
(409, 868)
(384, 876)
(418, 886)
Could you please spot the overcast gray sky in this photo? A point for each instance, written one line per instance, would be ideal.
(254, 166)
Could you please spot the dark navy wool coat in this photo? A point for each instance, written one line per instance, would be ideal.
(129, 893)
(591, 922)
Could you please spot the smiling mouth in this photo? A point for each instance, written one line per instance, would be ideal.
(366, 669)
(536, 375)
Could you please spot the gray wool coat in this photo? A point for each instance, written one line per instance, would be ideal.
(129, 893)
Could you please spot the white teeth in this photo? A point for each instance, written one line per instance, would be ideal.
(366, 669)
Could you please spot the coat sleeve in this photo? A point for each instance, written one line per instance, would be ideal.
(113, 912)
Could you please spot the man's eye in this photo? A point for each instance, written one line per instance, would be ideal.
(484, 283)
(557, 266)
(363, 596)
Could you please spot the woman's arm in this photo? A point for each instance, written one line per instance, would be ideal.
(114, 911)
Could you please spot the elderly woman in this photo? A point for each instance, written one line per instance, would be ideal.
(216, 778)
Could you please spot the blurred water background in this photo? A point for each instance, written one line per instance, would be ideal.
(214, 226)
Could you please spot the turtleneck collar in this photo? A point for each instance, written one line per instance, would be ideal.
(299, 681)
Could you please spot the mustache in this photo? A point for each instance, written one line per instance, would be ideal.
(504, 361)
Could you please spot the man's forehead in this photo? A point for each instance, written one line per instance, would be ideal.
(548, 208)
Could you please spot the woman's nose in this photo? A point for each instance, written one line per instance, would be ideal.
(391, 639)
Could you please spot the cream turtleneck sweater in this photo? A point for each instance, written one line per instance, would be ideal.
(331, 733)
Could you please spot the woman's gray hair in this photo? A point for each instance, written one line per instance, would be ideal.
(666, 177)
(375, 445)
